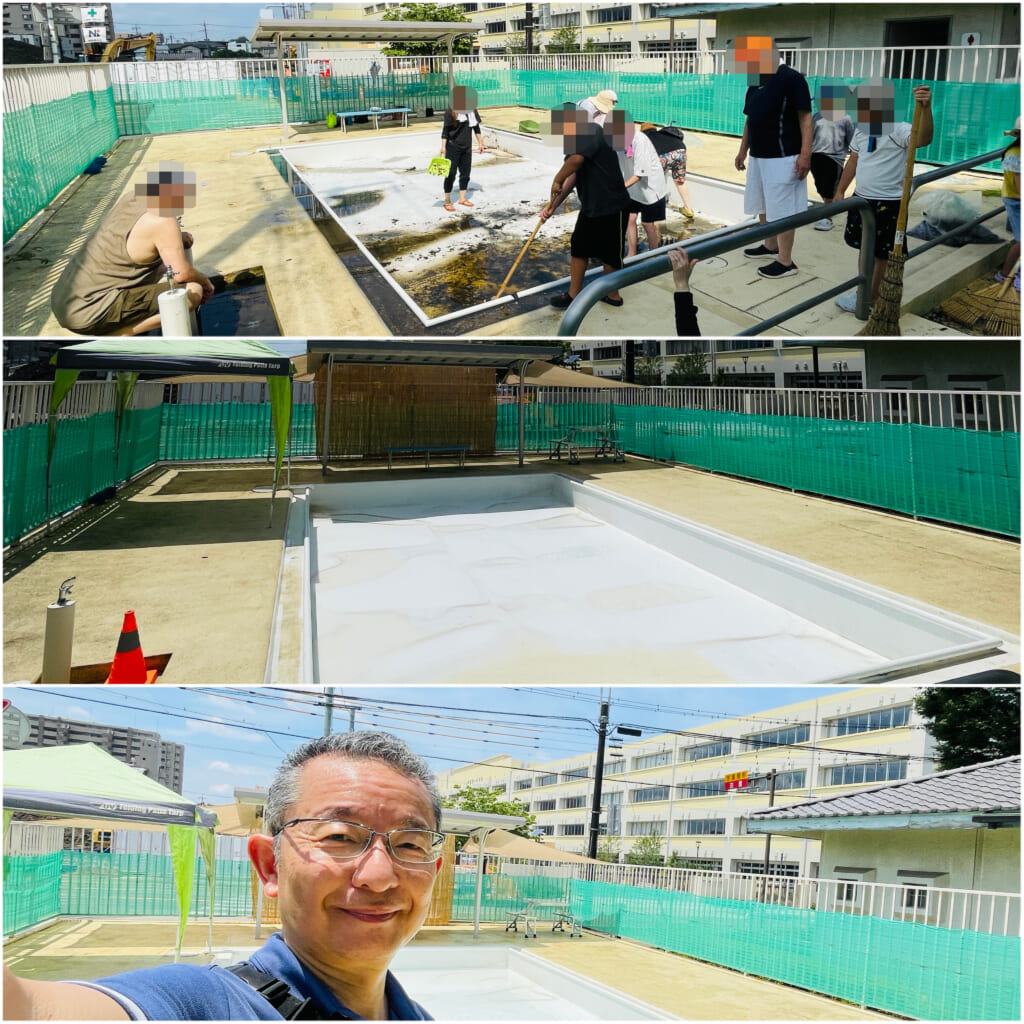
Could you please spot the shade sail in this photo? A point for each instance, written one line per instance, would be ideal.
(365, 30)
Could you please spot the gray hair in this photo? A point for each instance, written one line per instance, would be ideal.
(365, 746)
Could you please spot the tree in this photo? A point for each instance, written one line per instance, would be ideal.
(425, 12)
(971, 724)
(235, 55)
(646, 850)
(689, 369)
(17, 52)
(516, 42)
(564, 40)
(487, 800)
(592, 46)
(648, 371)
(608, 849)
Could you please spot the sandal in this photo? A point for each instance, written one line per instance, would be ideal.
(448, 206)
(465, 202)
(611, 301)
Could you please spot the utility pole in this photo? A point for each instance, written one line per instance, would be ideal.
(54, 41)
(529, 28)
(595, 807)
(328, 710)
(768, 836)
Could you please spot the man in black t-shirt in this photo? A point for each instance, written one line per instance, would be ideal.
(778, 134)
(592, 167)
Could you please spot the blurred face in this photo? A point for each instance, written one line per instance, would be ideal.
(350, 916)
(168, 191)
(464, 99)
(755, 57)
(876, 108)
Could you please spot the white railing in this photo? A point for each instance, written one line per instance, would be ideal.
(994, 913)
(975, 64)
(29, 402)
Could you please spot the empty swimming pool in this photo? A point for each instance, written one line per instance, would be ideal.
(499, 579)
(445, 266)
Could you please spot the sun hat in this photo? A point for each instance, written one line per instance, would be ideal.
(605, 100)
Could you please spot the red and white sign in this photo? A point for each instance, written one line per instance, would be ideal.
(736, 780)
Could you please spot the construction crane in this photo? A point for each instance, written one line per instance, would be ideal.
(120, 48)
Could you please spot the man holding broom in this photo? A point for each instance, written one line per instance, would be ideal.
(878, 160)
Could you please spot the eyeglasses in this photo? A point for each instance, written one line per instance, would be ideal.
(345, 840)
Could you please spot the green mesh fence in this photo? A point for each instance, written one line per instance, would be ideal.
(902, 967)
(142, 884)
(501, 893)
(230, 430)
(83, 464)
(31, 890)
(46, 145)
(967, 477)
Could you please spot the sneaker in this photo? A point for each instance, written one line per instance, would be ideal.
(825, 224)
(688, 213)
(777, 269)
(760, 252)
(561, 301)
(1000, 277)
(847, 302)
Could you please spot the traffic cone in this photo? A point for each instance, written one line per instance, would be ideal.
(129, 666)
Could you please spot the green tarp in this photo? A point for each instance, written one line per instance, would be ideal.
(81, 780)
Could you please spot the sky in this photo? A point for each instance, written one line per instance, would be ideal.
(185, 22)
(237, 737)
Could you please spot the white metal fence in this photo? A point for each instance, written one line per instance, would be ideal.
(29, 402)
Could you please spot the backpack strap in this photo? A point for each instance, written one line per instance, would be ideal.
(276, 992)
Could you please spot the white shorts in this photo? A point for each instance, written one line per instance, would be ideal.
(773, 187)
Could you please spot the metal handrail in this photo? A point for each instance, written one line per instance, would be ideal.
(601, 284)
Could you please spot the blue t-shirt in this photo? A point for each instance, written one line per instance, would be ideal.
(208, 992)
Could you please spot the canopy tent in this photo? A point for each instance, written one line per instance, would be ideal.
(129, 357)
(81, 780)
(506, 844)
(428, 353)
(334, 30)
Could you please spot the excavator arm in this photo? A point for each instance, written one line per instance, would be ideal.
(118, 47)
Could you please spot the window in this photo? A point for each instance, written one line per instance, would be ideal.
(608, 352)
(608, 15)
(915, 897)
(547, 780)
(576, 773)
(545, 830)
(784, 780)
(524, 784)
(565, 20)
(499, 787)
(709, 787)
(573, 801)
(756, 867)
(571, 830)
(648, 828)
(873, 771)
(701, 827)
(778, 737)
(868, 721)
(614, 767)
(494, 27)
(705, 750)
(546, 805)
(648, 794)
(652, 760)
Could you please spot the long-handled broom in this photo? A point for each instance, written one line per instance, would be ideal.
(522, 253)
(988, 308)
(885, 313)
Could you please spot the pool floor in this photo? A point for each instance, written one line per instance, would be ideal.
(507, 590)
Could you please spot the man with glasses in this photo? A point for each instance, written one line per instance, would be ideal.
(351, 857)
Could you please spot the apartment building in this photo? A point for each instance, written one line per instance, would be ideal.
(56, 28)
(633, 29)
(158, 759)
(673, 785)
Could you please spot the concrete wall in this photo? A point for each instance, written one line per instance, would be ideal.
(857, 25)
(971, 858)
(936, 361)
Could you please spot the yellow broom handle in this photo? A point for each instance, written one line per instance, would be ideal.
(508, 277)
(908, 177)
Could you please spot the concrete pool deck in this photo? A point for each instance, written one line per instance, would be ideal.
(81, 949)
(246, 216)
(190, 551)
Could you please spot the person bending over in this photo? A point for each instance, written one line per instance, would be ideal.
(111, 285)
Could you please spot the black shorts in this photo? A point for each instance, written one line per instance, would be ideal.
(650, 213)
(825, 172)
(887, 213)
(599, 238)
